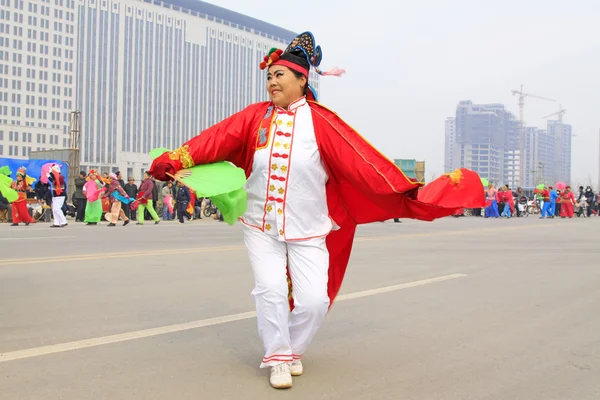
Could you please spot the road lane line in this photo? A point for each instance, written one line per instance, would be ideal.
(386, 289)
(37, 237)
(82, 257)
(162, 330)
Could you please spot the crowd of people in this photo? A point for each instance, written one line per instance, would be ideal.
(110, 199)
(102, 197)
(548, 201)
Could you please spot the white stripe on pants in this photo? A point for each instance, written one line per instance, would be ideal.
(286, 335)
(57, 213)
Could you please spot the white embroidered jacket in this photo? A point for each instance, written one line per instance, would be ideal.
(286, 188)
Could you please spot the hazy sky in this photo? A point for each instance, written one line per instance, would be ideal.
(410, 62)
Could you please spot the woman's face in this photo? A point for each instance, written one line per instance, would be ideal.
(283, 86)
(19, 178)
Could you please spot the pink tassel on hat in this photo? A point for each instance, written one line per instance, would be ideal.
(332, 72)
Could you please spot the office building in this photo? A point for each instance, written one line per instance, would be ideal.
(37, 74)
(562, 134)
(451, 161)
(143, 74)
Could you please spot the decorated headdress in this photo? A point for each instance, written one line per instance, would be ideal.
(112, 175)
(22, 171)
(299, 56)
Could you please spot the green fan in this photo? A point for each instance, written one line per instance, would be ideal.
(485, 182)
(222, 182)
(9, 194)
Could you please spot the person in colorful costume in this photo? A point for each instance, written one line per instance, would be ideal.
(311, 179)
(509, 203)
(491, 202)
(93, 190)
(19, 210)
(567, 201)
(545, 202)
(145, 200)
(59, 194)
(553, 200)
(117, 197)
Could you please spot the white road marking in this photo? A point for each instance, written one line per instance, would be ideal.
(162, 330)
(386, 289)
(37, 237)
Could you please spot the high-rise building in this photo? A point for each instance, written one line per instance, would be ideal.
(539, 157)
(486, 141)
(37, 74)
(155, 73)
(562, 134)
(143, 74)
(548, 154)
(451, 161)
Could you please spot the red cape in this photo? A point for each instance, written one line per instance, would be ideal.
(363, 186)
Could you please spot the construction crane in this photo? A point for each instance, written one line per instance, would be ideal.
(559, 145)
(522, 96)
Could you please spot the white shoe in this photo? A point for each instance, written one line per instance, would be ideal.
(280, 376)
(296, 368)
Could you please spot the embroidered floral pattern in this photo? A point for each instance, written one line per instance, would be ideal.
(182, 154)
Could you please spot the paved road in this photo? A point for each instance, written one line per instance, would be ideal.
(457, 309)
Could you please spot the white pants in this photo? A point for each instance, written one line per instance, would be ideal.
(286, 335)
(57, 213)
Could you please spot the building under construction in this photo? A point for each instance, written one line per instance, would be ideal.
(485, 138)
(490, 140)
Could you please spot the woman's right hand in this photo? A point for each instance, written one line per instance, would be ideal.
(163, 165)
